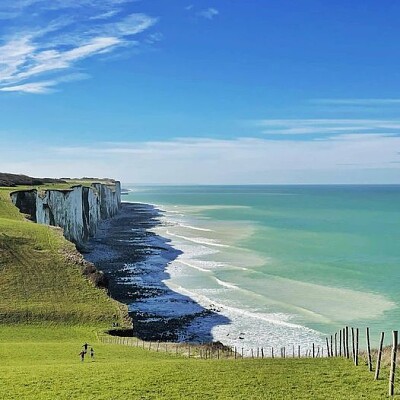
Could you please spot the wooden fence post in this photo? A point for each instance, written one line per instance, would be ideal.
(356, 355)
(272, 352)
(298, 351)
(252, 354)
(353, 343)
(262, 353)
(393, 364)
(236, 352)
(327, 347)
(242, 352)
(347, 342)
(335, 344)
(313, 350)
(368, 350)
(340, 343)
(379, 357)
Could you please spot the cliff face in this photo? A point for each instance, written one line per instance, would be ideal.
(77, 210)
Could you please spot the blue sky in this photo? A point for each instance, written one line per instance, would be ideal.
(221, 91)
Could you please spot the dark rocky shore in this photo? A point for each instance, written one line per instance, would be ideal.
(134, 259)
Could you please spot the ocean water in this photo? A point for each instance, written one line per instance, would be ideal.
(286, 264)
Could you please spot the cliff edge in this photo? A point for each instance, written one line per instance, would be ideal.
(77, 210)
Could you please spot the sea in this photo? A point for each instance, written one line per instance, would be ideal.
(286, 265)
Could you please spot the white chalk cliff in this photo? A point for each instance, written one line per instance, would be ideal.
(77, 211)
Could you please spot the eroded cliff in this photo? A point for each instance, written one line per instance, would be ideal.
(77, 210)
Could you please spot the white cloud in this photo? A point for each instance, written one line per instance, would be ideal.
(14, 55)
(33, 52)
(35, 87)
(134, 24)
(106, 15)
(21, 5)
(343, 159)
(357, 102)
(43, 87)
(209, 13)
(327, 126)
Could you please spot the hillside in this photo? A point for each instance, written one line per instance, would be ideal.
(41, 275)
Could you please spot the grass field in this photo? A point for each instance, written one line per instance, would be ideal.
(43, 363)
(48, 310)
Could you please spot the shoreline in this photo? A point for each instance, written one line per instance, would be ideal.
(135, 260)
(143, 261)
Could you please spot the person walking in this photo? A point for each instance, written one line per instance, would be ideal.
(82, 354)
(85, 346)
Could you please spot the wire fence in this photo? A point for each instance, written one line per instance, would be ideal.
(345, 344)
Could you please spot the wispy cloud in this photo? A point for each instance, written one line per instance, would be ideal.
(106, 15)
(357, 102)
(208, 13)
(30, 57)
(43, 87)
(346, 159)
(327, 126)
(35, 87)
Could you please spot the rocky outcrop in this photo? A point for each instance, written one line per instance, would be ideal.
(77, 210)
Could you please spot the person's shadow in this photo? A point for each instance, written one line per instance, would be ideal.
(134, 261)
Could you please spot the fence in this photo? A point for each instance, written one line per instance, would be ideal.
(344, 343)
(339, 345)
(217, 351)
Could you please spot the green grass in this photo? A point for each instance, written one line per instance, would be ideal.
(48, 310)
(43, 363)
(37, 282)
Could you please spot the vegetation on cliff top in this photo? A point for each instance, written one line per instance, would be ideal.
(12, 180)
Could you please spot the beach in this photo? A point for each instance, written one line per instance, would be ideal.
(253, 266)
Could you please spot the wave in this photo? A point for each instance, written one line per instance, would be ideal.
(226, 284)
(199, 240)
(194, 266)
(195, 228)
(276, 318)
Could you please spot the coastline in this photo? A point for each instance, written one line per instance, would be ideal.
(135, 260)
(142, 261)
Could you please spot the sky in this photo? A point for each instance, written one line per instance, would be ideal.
(201, 92)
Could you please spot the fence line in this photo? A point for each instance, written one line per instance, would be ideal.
(211, 351)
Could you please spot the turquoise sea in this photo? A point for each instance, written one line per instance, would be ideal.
(286, 264)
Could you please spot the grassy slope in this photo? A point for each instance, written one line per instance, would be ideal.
(47, 310)
(37, 284)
